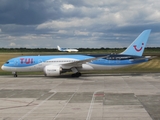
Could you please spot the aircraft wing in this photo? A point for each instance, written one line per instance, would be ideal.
(79, 63)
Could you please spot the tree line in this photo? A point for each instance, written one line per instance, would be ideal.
(80, 49)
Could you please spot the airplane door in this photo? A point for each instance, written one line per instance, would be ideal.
(40, 61)
(40, 65)
(16, 62)
(118, 60)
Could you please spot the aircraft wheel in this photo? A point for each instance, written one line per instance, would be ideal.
(79, 74)
(76, 74)
(15, 75)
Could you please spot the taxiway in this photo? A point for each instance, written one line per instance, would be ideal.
(90, 97)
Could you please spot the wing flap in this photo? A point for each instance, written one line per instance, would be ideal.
(79, 63)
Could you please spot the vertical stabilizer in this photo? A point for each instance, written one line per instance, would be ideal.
(138, 45)
(58, 48)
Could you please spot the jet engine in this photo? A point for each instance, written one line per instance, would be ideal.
(51, 70)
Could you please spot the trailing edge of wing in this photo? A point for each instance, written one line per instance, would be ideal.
(79, 63)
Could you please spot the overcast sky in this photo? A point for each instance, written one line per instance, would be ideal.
(77, 23)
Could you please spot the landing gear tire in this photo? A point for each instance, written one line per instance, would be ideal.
(15, 75)
(45, 75)
(76, 74)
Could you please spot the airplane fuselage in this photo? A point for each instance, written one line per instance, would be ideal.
(38, 63)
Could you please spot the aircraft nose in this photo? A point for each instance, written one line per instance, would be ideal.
(2, 67)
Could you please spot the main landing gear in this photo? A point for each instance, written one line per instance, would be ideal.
(78, 74)
(14, 74)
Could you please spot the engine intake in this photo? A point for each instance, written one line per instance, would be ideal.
(51, 70)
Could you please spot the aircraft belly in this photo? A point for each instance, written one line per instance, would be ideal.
(6, 68)
(28, 69)
(105, 67)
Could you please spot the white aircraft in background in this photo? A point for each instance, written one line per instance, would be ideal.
(55, 65)
(66, 49)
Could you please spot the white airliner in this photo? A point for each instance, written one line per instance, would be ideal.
(66, 49)
(55, 65)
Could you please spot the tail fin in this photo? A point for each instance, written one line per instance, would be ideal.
(58, 48)
(138, 45)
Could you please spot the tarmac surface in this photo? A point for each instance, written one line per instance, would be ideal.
(90, 97)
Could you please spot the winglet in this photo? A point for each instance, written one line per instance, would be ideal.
(138, 45)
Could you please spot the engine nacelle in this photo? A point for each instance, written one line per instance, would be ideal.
(51, 70)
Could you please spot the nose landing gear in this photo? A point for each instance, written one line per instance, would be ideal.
(14, 74)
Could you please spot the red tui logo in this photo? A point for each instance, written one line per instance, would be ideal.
(138, 50)
(26, 60)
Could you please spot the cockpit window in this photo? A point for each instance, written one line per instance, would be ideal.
(7, 62)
